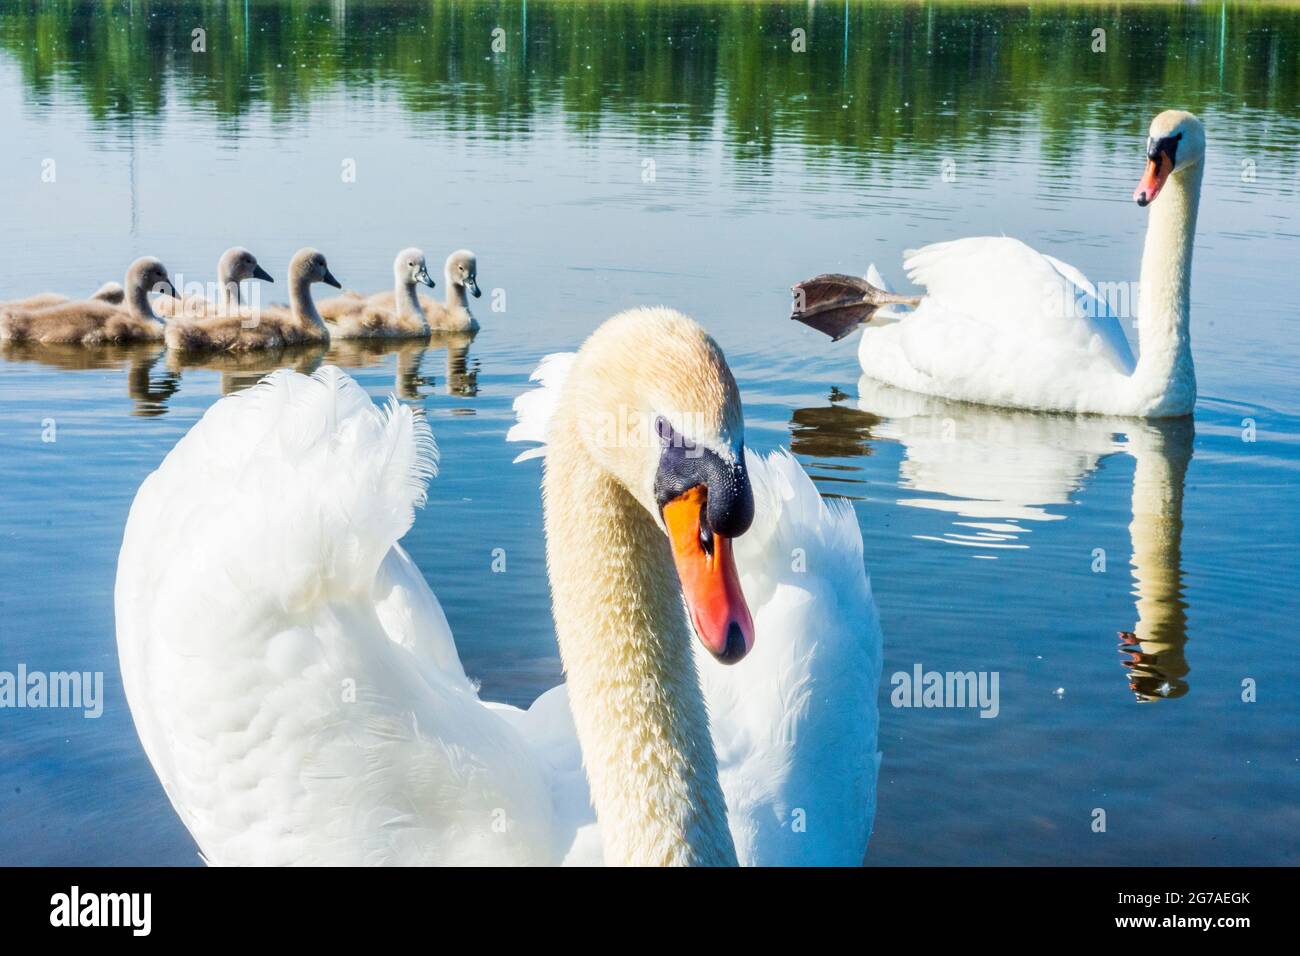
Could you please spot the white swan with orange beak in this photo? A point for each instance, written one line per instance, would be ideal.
(298, 691)
(1003, 324)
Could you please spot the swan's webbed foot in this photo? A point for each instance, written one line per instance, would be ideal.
(832, 304)
(836, 304)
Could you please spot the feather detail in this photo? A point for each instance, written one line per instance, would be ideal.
(534, 408)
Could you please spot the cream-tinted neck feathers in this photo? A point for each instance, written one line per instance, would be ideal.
(624, 636)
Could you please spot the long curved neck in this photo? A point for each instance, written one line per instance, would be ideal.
(228, 294)
(1165, 374)
(304, 309)
(456, 296)
(633, 689)
(406, 300)
(138, 300)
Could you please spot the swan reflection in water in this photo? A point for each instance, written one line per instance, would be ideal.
(244, 369)
(834, 431)
(1000, 472)
(1154, 648)
(460, 378)
(148, 392)
(154, 373)
(240, 370)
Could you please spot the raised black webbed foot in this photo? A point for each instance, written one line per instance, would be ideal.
(836, 304)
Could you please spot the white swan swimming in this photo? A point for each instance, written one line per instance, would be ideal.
(1001, 324)
(297, 689)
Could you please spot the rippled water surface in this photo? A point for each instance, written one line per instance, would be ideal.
(680, 153)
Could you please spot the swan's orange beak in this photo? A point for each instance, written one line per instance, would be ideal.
(1158, 169)
(710, 584)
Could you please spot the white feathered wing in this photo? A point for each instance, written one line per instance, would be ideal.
(292, 677)
(1003, 324)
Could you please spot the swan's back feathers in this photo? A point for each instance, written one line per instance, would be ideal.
(795, 725)
(534, 408)
(794, 517)
(291, 676)
(1015, 298)
(312, 472)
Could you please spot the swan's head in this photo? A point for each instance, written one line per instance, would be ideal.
(238, 264)
(149, 274)
(409, 268)
(1176, 142)
(308, 266)
(658, 410)
(462, 270)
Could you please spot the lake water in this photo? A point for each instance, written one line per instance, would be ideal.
(684, 154)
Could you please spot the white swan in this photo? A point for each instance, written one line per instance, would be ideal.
(297, 689)
(1002, 324)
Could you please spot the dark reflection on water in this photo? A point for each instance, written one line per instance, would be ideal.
(154, 374)
(1154, 648)
(995, 471)
(149, 381)
(413, 380)
(241, 370)
(836, 431)
(964, 71)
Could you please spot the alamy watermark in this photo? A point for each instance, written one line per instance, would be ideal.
(922, 688)
(633, 428)
(81, 690)
(197, 300)
(1119, 299)
(74, 908)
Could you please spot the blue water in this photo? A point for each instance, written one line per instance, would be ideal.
(982, 528)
